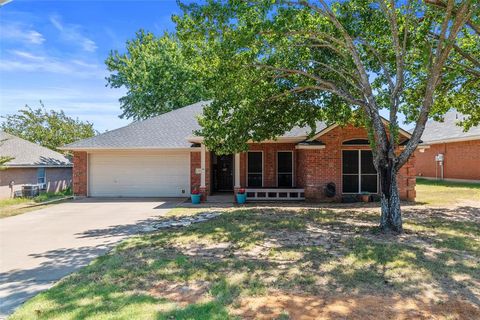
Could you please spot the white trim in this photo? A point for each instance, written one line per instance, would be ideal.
(203, 179)
(197, 139)
(127, 149)
(293, 167)
(236, 167)
(263, 166)
(476, 137)
(310, 147)
(88, 176)
(322, 132)
(333, 126)
(37, 166)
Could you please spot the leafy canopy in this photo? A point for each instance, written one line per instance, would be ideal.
(51, 129)
(271, 65)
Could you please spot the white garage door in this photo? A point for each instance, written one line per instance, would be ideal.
(139, 174)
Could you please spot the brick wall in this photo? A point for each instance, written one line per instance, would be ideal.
(269, 162)
(80, 173)
(314, 168)
(461, 160)
(57, 179)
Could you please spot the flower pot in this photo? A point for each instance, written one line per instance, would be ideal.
(365, 197)
(196, 198)
(241, 198)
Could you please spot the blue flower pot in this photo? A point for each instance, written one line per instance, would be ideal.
(196, 198)
(241, 198)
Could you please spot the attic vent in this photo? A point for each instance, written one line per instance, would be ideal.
(356, 142)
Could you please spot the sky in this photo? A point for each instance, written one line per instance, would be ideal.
(54, 51)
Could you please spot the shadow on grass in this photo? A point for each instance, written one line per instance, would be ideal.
(312, 251)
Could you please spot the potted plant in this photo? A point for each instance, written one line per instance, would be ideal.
(241, 196)
(196, 196)
(365, 196)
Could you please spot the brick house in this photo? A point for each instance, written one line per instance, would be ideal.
(451, 154)
(160, 157)
(31, 164)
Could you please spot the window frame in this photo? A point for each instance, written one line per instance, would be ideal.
(263, 169)
(293, 168)
(44, 175)
(359, 173)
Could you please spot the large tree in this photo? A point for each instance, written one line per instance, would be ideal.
(278, 64)
(158, 74)
(51, 129)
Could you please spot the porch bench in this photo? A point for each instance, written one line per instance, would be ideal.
(275, 193)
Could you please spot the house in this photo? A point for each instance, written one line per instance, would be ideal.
(452, 153)
(31, 164)
(161, 157)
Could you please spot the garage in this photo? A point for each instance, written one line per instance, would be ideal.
(139, 174)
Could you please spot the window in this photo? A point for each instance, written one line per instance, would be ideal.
(285, 169)
(41, 175)
(358, 172)
(356, 142)
(255, 169)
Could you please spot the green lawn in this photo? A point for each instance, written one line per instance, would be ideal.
(282, 263)
(15, 206)
(446, 193)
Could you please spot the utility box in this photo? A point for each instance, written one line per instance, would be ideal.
(439, 157)
(30, 190)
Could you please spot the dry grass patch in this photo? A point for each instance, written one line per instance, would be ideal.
(282, 262)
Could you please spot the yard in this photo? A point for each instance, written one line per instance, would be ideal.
(15, 206)
(287, 262)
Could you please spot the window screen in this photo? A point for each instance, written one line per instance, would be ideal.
(359, 174)
(284, 169)
(254, 169)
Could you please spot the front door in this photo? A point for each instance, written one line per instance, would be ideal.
(223, 173)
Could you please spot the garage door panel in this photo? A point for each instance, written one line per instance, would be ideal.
(139, 174)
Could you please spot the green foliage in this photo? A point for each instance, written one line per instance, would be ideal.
(51, 129)
(157, 74)
(269, 66)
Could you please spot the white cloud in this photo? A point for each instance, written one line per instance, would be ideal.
(21, 33)
(73, 34)
(31, 62)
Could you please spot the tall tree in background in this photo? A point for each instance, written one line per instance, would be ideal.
(51, 129)
(273, 65)
(158, 74)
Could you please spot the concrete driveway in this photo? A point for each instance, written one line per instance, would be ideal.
(40, 247)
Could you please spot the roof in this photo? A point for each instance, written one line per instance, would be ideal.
(170, 130)
(448, 130)
(29, 154)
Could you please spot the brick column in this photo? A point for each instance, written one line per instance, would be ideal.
(80, 173)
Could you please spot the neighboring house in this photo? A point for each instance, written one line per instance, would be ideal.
(31, 164)
(160, 157)
(452, 154)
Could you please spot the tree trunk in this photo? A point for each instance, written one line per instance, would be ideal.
(391, 219)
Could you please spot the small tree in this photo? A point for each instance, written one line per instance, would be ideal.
(51, 129)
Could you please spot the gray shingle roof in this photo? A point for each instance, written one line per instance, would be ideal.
(169, 130)
(448, 129)
(28, 154)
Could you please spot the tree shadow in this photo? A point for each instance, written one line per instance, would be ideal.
(314, 252)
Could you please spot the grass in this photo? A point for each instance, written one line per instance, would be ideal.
(16, 206)
(285, 261)
(445, 193)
